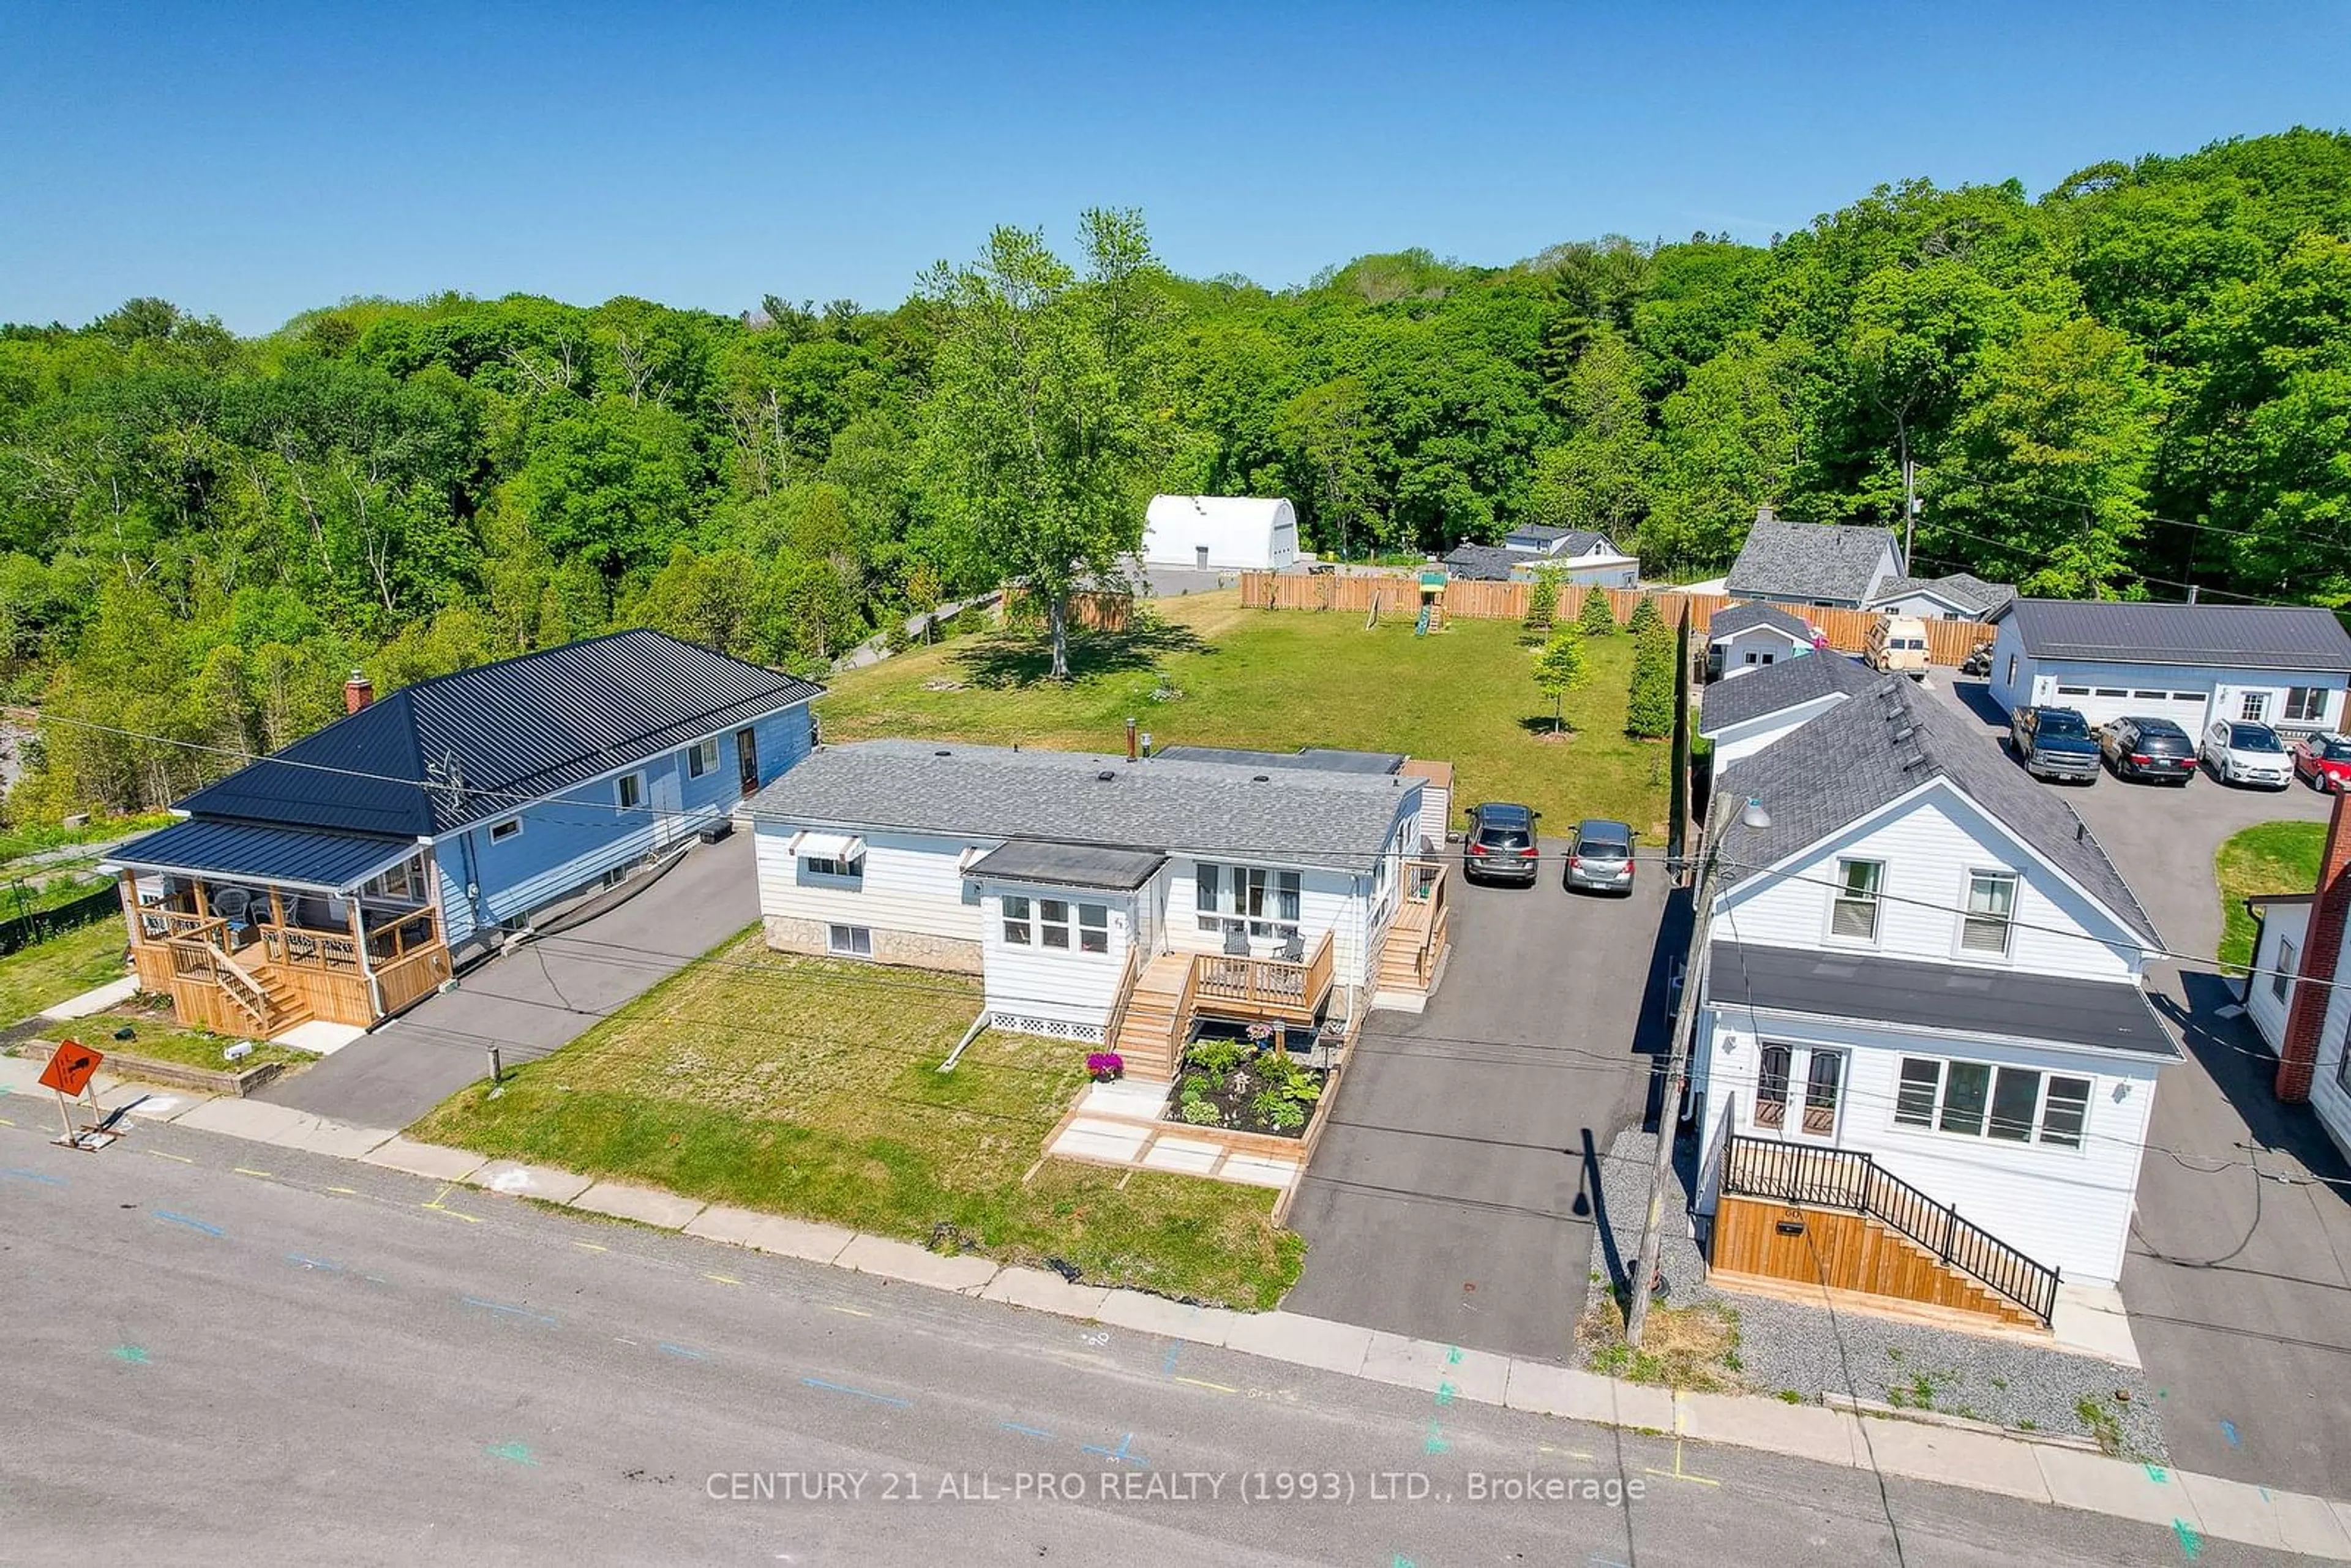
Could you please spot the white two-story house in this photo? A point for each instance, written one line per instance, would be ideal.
(1923, 1062)
(1106, 900)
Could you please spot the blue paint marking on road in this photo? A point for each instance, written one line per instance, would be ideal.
(506, 1310)
(1174, 1351)
(859, 1393)
(136, 1355)
(171, 1218)
(2191, 1545)
(41, 1176)
(514, 1451)
(2228, 1430)
(1119, 1453)
(1025, 1431)
(301, 1262)
(678, 1350)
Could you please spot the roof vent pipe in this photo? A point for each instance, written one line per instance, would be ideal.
(1130, 740)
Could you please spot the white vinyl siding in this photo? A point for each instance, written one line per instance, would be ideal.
(909, 884)
(1038, 965)
(2267, 991)
(1754, 647)
(2190, 696)
(1932, 846)
(2063, 1205)
(1734, 741)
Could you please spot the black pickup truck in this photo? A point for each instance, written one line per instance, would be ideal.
(2053, 743)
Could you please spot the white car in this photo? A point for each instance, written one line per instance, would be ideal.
(2239, 752)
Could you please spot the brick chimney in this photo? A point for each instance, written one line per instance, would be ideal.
(358, 692)
(2305, 1020)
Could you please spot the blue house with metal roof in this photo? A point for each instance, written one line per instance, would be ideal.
(338, 879)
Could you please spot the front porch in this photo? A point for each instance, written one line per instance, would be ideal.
(1163, 998)
(238, 958)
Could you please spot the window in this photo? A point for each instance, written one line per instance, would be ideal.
(1821, 1076)
(1053, 923)
(829, 865)
(1966, 1088)
(702, 756)
(1016, 921)
(850, 941)
(2011, 670)
(632, 790)
(2305, 705)
(2067, 1109)
(501, 832)
(1266, 902)
(1852, 915)
(2282, 978)
(2072, 691)
(2187, 696)
(2112, 691)
(1914, 1102)
(2253, 707)
(1975, 1099)
(1771, 1087)
(2151, 696)
(1991, 912)
(405, 882)
(1093, 928)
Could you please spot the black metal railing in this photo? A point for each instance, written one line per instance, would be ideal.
(1853, 1181)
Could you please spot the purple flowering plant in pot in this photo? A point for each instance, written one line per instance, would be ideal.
(1104, 1066)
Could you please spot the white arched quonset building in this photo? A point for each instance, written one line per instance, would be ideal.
(1220, 533)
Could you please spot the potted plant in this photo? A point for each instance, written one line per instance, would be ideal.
(1105, 1066)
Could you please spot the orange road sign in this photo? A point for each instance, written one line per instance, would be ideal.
(69, 1072)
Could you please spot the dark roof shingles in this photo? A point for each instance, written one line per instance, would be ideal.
(1810, 560)
(1774, 688)
(2259, 636)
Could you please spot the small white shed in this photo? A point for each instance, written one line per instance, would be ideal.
(1220, 533)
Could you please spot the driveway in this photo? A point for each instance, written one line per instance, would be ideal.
(2239, 1283)
(530, 1000)
(1452, 1197)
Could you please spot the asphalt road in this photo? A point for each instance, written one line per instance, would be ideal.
(532, 999)
(2239, 1286)
(305, 1362)
(1451, 1197)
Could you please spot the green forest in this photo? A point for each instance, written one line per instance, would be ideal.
(2134, 383)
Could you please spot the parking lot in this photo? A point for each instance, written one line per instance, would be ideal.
(2239, 1278)
(1451, 1197)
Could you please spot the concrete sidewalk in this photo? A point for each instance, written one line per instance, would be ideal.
(2197, 1505)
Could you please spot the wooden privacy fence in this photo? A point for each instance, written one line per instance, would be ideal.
(1090, 610)
(1948, 642)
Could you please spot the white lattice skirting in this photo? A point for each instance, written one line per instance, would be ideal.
(1051, 1028)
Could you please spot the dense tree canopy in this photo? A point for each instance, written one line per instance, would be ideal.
(2138, 382)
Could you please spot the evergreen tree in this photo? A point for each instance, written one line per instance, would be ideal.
(1649, 711)
(1598, 617)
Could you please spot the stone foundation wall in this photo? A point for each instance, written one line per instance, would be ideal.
(912, 949)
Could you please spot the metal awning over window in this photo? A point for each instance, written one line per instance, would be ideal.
(813, 845)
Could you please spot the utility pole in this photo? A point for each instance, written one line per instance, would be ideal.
(1661, 1174)
(1909, 501)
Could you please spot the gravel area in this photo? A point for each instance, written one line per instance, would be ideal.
(1784, 1346)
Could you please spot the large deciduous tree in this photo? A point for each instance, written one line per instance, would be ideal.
(1038, 437)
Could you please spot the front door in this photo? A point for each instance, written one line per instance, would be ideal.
(747, 759)
(1201, 555)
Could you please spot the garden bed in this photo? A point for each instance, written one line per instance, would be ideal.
(1247, 1084)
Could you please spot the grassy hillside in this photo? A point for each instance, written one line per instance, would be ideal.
(1210, 673)
(2274, 857)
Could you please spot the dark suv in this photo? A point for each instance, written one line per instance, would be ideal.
(2053, 743)
(2149, 749)
(1500, 845)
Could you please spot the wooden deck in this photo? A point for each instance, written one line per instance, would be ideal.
(264, 978)
(1155, 1015)
(1414, 951)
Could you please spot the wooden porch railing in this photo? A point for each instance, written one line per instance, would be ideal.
(1274, 986)
(1125, 993)
(240, 988)
(306, 947)
(1852, 1180)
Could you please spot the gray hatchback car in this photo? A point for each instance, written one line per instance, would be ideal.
(1600, 857)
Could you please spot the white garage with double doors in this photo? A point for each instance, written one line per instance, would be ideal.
(2283, 665)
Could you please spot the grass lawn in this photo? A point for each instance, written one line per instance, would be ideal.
(810, 1088)
(1211, 673)
(2275, 857)
(161, 1039)
(46, 973)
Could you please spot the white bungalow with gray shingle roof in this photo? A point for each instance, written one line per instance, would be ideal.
(1748, 637)
(1061, 877)
(1956, 596)
(2283, 665)
(1741, 717)
(1923, 967)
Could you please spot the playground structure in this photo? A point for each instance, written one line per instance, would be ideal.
(1432, 581)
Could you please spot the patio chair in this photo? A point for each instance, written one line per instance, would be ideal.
(1294, 948)
(233, 904)
(1237, 941)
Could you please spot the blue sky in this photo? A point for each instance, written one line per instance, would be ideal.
(251, 162)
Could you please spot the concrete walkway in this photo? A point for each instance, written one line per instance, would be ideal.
(2196, 1506)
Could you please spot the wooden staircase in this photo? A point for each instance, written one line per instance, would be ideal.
(257, 996)
(1855, 1252)
(287, 1007)
(1157, 1013)
(1414, 949)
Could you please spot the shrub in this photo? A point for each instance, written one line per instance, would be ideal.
(1598, 617)
(1542, 600)
(1201, 1113)
(1284, 1115)
(895, 638)
(1649, 709)
(1216, 1057)
(1645, 614)
(1192, 1088)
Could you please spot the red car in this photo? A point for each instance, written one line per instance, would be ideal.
(2324, 761)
